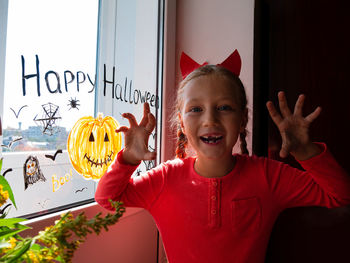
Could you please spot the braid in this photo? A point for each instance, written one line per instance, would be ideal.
(181, 144)
(242, 136)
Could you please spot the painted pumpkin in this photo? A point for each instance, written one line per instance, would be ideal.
(93, 145)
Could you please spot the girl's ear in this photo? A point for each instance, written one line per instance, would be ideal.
(181, 122)
(244, 120)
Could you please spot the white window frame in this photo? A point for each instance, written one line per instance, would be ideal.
(106, 44)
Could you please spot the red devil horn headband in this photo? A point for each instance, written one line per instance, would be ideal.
(233, 63)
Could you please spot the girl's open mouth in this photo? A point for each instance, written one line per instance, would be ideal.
(211, 139)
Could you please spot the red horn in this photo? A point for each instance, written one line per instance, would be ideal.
(233, 63)
(187, 65)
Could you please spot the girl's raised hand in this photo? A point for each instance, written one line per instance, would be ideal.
(137, 135)
(294, 128)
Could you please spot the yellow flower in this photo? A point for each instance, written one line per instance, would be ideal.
(49, 258)
(48, 228)
(4, 195)
(33, 257)
(13, 242)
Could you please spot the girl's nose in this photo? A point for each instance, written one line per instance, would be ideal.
(210, 118)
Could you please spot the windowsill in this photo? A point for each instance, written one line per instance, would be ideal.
(89, 209)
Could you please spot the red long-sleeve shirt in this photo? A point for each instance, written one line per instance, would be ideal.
(227, 219)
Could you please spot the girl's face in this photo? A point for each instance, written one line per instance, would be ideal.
(211, 117)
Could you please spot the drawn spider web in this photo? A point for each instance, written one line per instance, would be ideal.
(49, 119)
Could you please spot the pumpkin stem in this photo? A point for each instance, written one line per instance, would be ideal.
(100, 116)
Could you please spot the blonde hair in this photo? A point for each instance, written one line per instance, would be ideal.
(207, 70)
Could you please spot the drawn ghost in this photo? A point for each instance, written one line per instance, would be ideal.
(32, 172)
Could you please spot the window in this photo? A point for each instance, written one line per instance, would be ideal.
(64, 60)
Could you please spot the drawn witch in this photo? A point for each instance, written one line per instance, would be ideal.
(31, 171)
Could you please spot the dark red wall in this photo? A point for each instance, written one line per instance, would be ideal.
(303, 46)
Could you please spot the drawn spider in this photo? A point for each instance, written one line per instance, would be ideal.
(73, 103)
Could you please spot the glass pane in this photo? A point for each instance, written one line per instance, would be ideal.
(128, 68)
(49, 72)
(49, 84)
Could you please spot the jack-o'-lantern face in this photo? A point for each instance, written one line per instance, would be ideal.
(93, 145)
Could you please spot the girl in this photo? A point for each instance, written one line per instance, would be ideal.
(217, 206)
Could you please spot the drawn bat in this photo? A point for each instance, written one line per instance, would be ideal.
(153, 134)
(16, 139)
(43, 204)
(2, 211)
(7, 171)
(149, 164)
(53, 157)
(80, 190)
(17, 114)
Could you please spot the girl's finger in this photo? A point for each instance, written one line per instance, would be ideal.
(284, 148)
(146, 110)
(131, 118)
(312, 116)
(283, 153)
(298, 108)
(122, 129)
(282, 101)
(275, 116)
(151, 122)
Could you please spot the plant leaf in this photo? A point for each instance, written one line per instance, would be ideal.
(4, 234)
(7, 187)
(17, 252)
(10, 222)
(59, 259)
(0, 163)
(36, 247)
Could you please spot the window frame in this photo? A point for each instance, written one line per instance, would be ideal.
(102, 8)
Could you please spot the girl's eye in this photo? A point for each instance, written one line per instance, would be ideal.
(224, 108)
(195, 109)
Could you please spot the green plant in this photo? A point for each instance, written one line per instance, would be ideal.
(56, 243)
